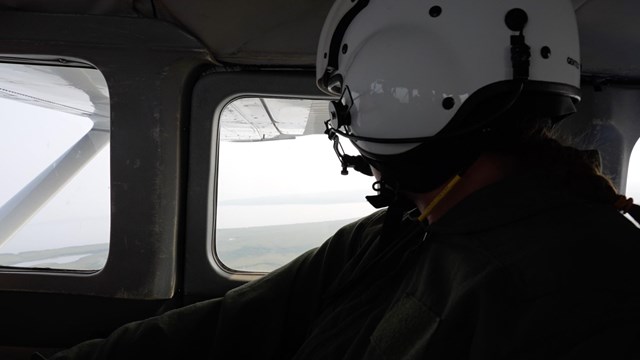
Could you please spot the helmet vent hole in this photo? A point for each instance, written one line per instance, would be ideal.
(325, 55)
(435, 11)
(345, 48)
(448, 103)
(545, 52)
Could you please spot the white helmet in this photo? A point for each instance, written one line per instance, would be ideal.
(411, 70)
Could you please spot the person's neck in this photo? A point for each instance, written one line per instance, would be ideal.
(488, 169)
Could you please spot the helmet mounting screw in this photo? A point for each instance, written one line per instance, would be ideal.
(448, 103)
(435, 11)
(545, 52)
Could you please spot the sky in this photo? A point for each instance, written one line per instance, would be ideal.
(31, 139)
(280, 175)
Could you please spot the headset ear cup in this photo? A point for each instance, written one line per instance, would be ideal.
(339, 114)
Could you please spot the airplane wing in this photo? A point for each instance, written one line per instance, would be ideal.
(260, 119)
(78, 91)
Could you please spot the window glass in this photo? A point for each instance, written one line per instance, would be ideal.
(279, 187)
(54, 157)
(633, 176)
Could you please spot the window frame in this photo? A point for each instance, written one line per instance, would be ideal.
(205, 275)
(617, 101)
(34, 195)
(146, 144)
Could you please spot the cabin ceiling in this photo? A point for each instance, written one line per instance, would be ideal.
(285, 32)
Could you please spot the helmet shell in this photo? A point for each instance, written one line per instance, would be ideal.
(410, 65)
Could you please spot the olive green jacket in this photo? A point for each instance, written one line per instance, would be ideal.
(518, 270)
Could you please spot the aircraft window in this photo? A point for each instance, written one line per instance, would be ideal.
(633, 177)
(54, 161)
(279, 187)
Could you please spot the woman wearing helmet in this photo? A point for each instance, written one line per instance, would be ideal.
(453, 105)
(517, 248)
(426, 86)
